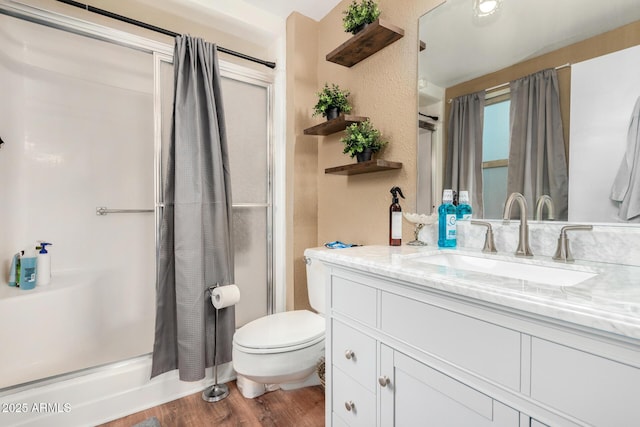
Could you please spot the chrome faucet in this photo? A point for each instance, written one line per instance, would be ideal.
(523, 241)
(489, 244)
(563, 251)
(540, 204)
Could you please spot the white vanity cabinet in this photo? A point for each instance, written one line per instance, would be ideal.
(400, 354)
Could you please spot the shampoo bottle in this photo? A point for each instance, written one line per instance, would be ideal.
(14, 275)
(44, 265)
(447, 221)
(463, 210)
(28, 270)
(395, 218)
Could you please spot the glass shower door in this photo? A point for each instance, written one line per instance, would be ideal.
(247, 115)
(247, 111)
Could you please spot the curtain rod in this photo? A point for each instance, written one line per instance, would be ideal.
(166, 32)
(559, 67)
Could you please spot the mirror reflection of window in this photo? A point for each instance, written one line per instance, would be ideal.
(495, 154)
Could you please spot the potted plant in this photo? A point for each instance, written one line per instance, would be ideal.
(360, 14)
(361, 140)
(331, 102)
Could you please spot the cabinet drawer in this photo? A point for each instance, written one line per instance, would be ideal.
(487, 349)
(354, 300)
(354, 353)
(594, 389)
(346, 391)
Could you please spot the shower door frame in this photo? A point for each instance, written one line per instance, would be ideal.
(243, 75)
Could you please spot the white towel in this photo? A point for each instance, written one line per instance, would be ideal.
(626, 187)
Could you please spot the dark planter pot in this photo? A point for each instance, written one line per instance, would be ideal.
(365, 156)
(359, 28)
(333, 113)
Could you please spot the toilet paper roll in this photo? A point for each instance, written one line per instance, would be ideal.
(225, 296)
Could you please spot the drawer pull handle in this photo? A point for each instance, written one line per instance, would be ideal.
(349, 354)
(349, 405)
(384, 381)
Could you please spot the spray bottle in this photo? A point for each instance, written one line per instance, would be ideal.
(395, 218)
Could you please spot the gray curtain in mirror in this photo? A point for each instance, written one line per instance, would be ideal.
(463, 168)
(196, 248)
(537, 159)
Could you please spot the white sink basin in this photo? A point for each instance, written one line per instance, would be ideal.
(548, 275)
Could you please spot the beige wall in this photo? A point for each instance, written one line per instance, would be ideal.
(302, 154)
(383, 87)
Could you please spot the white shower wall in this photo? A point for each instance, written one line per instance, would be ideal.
(77, 121)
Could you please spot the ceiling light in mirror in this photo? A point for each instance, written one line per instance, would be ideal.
(483, 8)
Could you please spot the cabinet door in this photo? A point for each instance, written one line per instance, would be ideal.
(425, 396)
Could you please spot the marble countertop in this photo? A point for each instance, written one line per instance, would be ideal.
(609, 301)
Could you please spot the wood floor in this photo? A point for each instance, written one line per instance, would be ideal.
(301, 408)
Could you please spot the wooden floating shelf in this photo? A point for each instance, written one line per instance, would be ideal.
(373, 38)
(334, 125)
(375, 165)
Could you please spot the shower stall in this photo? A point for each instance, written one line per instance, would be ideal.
(84, 117)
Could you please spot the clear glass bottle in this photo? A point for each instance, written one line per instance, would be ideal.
(447, 221)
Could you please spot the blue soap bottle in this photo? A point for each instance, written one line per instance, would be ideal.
(28, 270)
(447, 213)
(464, 211)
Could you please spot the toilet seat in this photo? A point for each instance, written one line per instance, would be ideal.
(280, 332)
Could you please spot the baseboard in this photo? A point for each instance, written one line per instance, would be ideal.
(102, 395)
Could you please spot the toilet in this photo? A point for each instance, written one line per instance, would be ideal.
(282, 350)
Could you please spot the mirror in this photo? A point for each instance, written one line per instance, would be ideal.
(462, 53)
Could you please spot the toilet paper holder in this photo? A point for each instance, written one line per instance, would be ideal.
(215, 392)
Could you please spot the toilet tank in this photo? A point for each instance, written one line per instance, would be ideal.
(316, 283)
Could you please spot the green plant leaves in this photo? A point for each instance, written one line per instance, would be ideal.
(331, 97)
(358, 14)
(359, 136)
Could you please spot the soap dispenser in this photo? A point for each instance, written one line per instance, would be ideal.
(44, 265)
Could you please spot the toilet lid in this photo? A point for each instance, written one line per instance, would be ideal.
(286, 329)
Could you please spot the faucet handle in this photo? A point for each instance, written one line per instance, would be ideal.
(489, 244)
(563, 251)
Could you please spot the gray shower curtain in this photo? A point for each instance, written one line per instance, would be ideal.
(537, 160)
(196, 247)
(463, 167)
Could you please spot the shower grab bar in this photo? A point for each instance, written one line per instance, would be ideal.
(251, 205)
(103, 210)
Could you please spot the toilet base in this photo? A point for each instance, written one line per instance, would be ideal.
(251, 389)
